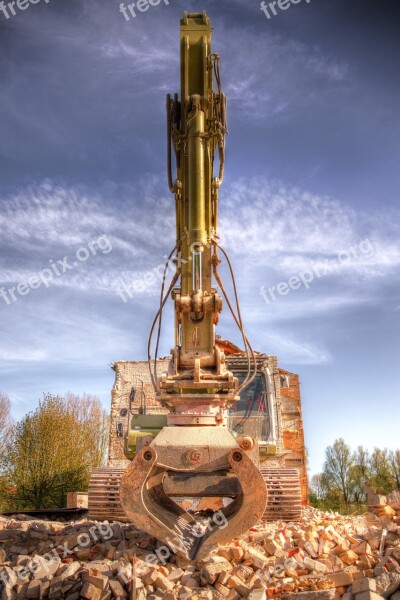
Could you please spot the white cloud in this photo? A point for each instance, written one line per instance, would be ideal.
(278, 76)
(271, 230)
(293, 351)
(323, 65)
(21, 355)
(307, 305)
(268, 228)
(292, 230)
(282, 78)
(66, 216)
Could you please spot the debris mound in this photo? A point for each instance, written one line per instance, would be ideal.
(325, 556)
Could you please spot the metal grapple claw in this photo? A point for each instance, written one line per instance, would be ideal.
(194, 466)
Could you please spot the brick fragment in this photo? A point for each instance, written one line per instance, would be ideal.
(313, 595)
(368, 596)
(117, 589)
(257, 595)
(363, 585)
(90, 591)
(349, 557)
(163, 583)
(341, 579)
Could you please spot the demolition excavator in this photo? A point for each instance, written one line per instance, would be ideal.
(197, 453)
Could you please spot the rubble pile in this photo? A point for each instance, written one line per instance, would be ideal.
(326, 556)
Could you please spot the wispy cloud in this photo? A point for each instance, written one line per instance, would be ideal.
(21, 356)
(324, 65)
(285, 75)
(272, 230)
(295, 351)
(293, 228)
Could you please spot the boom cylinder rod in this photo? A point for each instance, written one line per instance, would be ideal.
(196, 185)
(198, 387)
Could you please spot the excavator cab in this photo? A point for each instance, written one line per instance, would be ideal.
(141, 432)
(253, 415)
(249, 416)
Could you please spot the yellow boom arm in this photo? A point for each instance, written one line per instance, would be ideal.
(195, 455)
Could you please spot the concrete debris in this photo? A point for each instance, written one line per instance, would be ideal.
(324, 557)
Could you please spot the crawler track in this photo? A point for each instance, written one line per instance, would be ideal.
(104, 503)
(53, 514)
(284, 495)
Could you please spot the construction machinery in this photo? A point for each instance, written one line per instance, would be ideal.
(218, 419)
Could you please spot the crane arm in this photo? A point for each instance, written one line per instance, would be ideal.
(195, 453)
(196, 130)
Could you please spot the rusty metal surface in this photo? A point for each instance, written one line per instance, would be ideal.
(220, 484)
(146, 503)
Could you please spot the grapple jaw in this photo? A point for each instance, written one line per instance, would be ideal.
(193, 462)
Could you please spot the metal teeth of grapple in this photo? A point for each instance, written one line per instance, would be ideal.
(146, 504)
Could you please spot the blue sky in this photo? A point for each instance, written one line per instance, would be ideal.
(312, 175)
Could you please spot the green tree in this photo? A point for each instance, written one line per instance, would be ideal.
(321, 493)
(94, 426)
(54, 449)
(380, 476)
(394, 467)
(6, 425)
(359, 475)
(337, 466)
(6, 428)
(318, 487)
